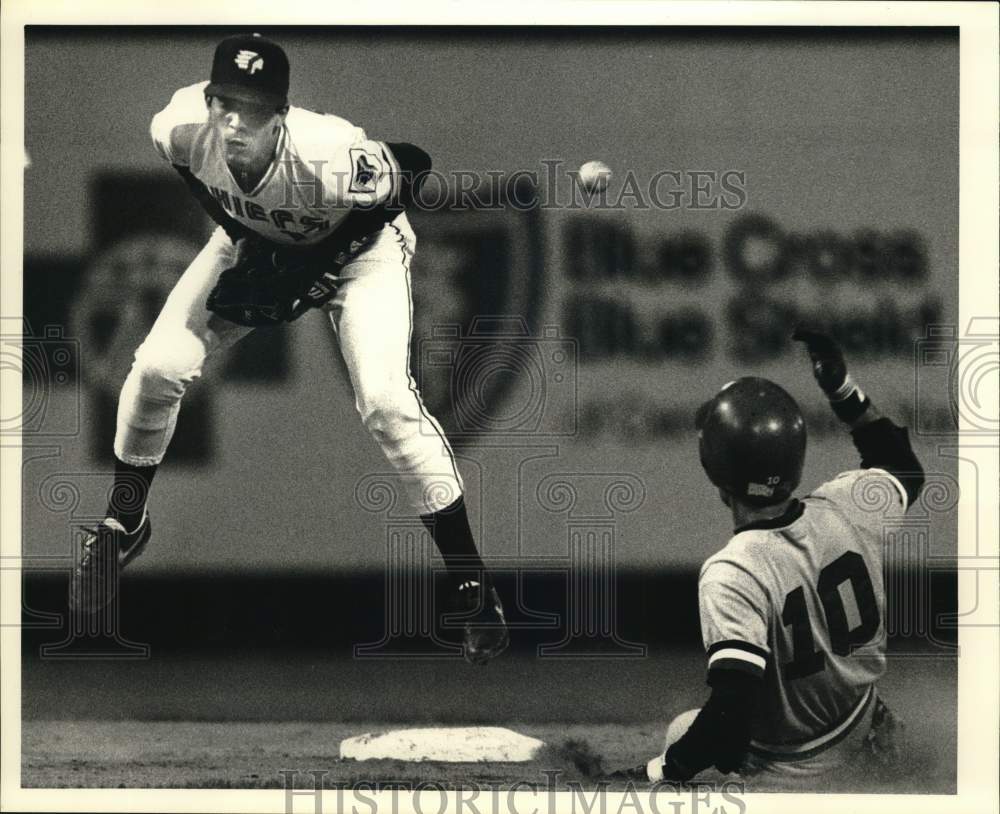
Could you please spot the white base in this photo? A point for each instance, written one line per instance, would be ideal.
(458, 744)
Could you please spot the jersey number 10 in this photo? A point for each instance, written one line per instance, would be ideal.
(806, 659)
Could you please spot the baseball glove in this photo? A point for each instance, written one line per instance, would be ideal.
(261, 288)
(270, 284)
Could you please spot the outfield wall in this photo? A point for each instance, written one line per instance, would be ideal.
(846, 214)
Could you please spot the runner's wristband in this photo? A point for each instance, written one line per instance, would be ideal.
(849, 402)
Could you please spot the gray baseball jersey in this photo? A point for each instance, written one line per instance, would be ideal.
(803, 605)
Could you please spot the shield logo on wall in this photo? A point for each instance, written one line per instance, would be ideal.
(482, 361)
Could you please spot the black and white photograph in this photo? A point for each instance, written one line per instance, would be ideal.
(574, 407)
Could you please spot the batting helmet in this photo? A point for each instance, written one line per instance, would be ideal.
(752, 441)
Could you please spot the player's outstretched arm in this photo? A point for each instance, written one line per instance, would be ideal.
(882, 444)
(719, 735)
(734, 609)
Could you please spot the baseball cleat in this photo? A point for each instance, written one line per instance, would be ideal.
(484, 632)
(104, 552)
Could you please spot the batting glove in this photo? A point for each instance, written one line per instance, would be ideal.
(830, 369)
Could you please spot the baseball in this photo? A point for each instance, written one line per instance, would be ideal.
(594, 175)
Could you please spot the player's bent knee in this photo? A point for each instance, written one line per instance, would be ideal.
(169, 363)
(388, 417)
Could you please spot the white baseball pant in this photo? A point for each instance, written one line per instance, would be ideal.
(372, 316)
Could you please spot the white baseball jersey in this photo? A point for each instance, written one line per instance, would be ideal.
(801, 602)
(323, 166)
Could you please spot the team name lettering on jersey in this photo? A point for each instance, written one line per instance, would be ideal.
(246, 211)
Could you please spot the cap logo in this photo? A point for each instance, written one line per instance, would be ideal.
(759, 490)
(249, 61)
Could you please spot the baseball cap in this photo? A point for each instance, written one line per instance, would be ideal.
(252, 68)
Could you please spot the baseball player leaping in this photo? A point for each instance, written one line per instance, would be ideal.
(793, 608)
(311, 214)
